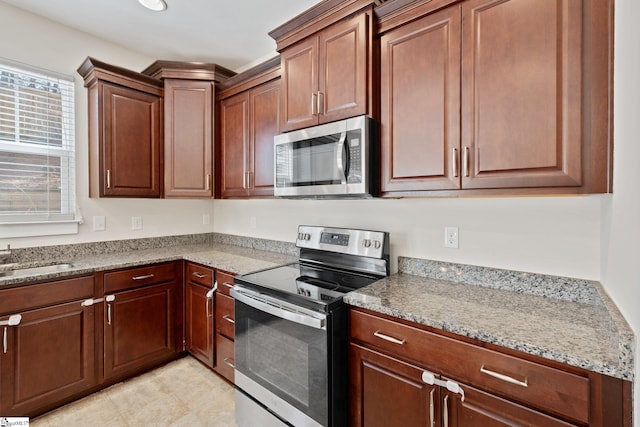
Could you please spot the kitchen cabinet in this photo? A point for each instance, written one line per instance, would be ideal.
(189, 101)
(200, 287)
(327, 75)
(140, 318)
(125, 131)
(49, 356)
(225, 327)
(454, 381)
(249, 117)
(495, 98)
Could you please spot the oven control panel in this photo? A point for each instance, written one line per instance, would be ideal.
(366, 243)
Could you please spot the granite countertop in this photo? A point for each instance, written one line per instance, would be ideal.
(538, 315)
(228, 257)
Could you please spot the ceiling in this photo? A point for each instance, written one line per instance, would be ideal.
(229, 33)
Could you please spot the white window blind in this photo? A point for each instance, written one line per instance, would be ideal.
(37, 148)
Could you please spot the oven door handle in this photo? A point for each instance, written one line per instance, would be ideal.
(278, 308)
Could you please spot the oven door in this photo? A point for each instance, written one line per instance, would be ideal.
(281, 357)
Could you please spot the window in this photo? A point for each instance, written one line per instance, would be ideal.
(37, 169)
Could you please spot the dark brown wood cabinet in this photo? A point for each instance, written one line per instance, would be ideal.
(249, 119)
(189, 125)
(225, 327)
(200, 287)
(140, 318)
(421, 369)
(125, 131)
(326, 75)
(50, 357)
(493, 95)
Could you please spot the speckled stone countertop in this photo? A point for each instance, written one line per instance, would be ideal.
(566, 320)
(230, 253)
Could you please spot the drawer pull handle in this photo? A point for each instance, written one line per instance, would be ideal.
(146, 276)
(198, 275)
(503, 377)
(228, 285)
(228, 319)
(229, 362)
(388, 338)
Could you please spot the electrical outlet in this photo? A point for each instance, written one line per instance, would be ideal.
(206, 219)
(136, 223)
(451, 237)
(99, 223)
(253, 223)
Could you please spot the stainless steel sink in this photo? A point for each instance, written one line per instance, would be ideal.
(31, 270)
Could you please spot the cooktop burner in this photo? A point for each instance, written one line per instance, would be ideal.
(299, 282)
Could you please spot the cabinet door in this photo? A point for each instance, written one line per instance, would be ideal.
(131, 142)
(188, 138)
(420, 104)
(49, 357)
(483, 409)
(343, 63)
(388, 392)
(139, 329)
(199, 323)
(264, 124)
(521, 93)
(299, 85)
(234, 118)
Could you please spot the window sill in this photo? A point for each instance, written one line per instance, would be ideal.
(44, 228)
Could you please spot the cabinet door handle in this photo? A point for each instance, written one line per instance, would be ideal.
(199, 275)
(146, 276)
(454, 163)
(445, 412)
(320, 103)
(504, 377)
(465, 161)
(14, 320)
(431, 408)
(388, 338)
(229, 362)
(108, 178)
(229, 319)
(207, 184)
(314, 104)
(109, 299)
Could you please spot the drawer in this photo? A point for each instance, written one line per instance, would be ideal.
(225, 282)
(199, 274)
(136, 277)
(530, 383)
(225, 323)
(27, 297)
(225, 362)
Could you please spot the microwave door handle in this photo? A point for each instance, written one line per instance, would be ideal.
(342, 147)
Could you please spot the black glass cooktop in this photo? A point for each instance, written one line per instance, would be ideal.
(307, 285)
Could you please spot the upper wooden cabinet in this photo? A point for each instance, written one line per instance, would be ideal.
(249, 119)
(495, 97)
(327, 71)
(125, 131)
(189, 99)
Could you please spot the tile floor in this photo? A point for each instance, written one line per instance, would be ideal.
(182, 393)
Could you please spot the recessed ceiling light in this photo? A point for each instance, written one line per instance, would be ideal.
(155, 5)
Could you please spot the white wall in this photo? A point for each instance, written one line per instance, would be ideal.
(621, 212)
(42, 43)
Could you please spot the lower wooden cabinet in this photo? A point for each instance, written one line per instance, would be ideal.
(209, 335)
(139, 329)
(403, 374)
(50, 356)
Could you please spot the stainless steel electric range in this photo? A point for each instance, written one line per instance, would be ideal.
(291, 328)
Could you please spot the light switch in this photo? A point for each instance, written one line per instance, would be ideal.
(99, 223)
(136, 223)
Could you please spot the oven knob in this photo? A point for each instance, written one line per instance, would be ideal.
(300, 236)
(366, 243)
(307, 236)
(377, 244)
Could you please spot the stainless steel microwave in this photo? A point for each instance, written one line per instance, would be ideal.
(330, 160)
